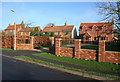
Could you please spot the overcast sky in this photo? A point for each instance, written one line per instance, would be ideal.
(42, 13)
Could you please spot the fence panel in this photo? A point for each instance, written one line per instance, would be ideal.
(112, 46)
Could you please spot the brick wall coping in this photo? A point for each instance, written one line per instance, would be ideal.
(77, 39)
(101, 40)
(23, 44)
(51, 37)
(88, 49)
(112, 51)
(65, 47)
(58, 39)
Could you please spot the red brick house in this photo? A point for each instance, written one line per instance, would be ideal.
(20, 29)
(68, 31)
(10, 29)
(26, 31)
(93, 31)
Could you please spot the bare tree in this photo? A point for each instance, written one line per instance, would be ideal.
(110, 10)
(49, 24)
(28, 24)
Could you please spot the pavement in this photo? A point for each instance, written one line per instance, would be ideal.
(29, 54)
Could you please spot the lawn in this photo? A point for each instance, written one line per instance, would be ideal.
(109, 67)
(61, 66)
(6, 49)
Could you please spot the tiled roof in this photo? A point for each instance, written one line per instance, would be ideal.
(29, 29)
(11, 27)
(58, 28)
(99, 25)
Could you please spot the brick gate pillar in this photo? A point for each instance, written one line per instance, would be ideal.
(51, 39)
(57, 46)
(77, 48)
(101, 51)
(32, 43)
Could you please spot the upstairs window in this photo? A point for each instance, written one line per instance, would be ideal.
(84, 30)
(102, 38)
(104, 30)
(21, 33)
(6, 32)
(94, 30)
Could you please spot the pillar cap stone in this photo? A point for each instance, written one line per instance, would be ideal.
(58, 39)
(101, 40)
(77, 39)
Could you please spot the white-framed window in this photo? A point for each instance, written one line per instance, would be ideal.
(104, 30)
(84, 30)
(6, 32)
(21, 33)
(94, 30)
(43, 32)
(10, 30)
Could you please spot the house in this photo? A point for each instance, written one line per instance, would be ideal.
(26, 31)
(68, 31)
(10, 29)
(95, 31)
(20, 29)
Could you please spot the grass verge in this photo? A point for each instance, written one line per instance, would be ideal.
(109, 67)
(73, 69)
(6, 49)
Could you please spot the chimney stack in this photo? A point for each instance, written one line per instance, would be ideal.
(22, 22)
(9, 24)
(53, 24)
(66, 23)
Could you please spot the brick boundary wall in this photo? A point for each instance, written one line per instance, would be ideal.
(101, 55)
(26, 46)
(107, 56)
(66, 52)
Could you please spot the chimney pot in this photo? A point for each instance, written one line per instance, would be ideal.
(53, 24)
(66, 23)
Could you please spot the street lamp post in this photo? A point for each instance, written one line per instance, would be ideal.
(97, 34)
(14, 30)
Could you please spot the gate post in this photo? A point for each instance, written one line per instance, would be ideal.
(32, 42)
(101, 55)
(77, 48)
(57, 46)
(51, 39)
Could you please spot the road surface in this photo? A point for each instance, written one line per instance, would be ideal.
(17, 70)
